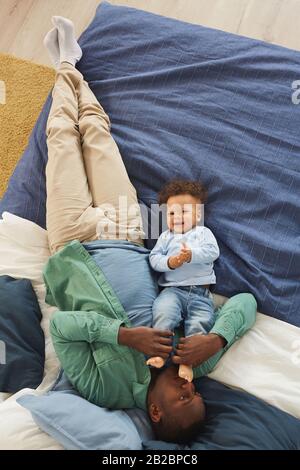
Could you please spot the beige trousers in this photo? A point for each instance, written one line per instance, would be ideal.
(89, 194)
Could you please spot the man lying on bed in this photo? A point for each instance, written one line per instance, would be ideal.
(100, 346)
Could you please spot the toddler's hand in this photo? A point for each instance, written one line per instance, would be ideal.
(175, 261)
(186, 253)
(184, 256)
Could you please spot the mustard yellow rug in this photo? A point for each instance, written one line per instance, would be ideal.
(24, 87)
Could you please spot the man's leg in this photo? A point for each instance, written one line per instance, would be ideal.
(112, 192)
(83, 195)
(70, 213)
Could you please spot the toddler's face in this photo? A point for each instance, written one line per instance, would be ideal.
(183, 213)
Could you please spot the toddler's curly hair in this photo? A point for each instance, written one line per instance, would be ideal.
(178, 186)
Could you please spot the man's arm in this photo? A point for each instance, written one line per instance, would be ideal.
(208, 252)
(203, 352)
(84, 326)
(90, 327)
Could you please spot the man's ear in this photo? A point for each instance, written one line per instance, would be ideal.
(155, 413)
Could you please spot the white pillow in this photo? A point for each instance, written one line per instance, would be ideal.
(24, 252)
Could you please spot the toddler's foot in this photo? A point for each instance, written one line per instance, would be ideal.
(51, 43)
(186, 372)
(69, 49)
(157, 362)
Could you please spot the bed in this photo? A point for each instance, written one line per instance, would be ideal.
(193, 101)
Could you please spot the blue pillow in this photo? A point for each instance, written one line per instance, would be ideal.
(78, 424)
(194, 102)
(235, 420)
(21, 336)
(138, 416)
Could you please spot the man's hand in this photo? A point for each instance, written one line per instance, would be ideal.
(184, 256)
(150, 341)
(194, 350)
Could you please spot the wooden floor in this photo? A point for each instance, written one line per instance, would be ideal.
(23, 23)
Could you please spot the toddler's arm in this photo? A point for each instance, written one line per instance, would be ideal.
(208, 251)
(158, 257)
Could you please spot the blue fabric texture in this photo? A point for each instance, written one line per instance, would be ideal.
(22, 343)
(126, 268)
(238, 421)
(235, 420)
(193, 102)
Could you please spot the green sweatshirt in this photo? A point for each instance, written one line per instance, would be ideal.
(85, 331)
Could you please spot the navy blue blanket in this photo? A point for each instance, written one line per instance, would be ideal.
(189, 101)
(236, 420)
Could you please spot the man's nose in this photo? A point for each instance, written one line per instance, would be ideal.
(185, 384)
(188, 386)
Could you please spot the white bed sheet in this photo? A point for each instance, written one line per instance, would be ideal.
(265, 362)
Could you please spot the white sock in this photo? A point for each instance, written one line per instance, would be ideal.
(69, 48)
(51, 43)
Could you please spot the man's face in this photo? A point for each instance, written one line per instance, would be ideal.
(180, 398)
(183, 213)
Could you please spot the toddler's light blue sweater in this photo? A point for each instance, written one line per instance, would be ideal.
(199, 271)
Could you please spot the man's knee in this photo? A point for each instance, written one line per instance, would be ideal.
(59, 125)
(90, 121)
